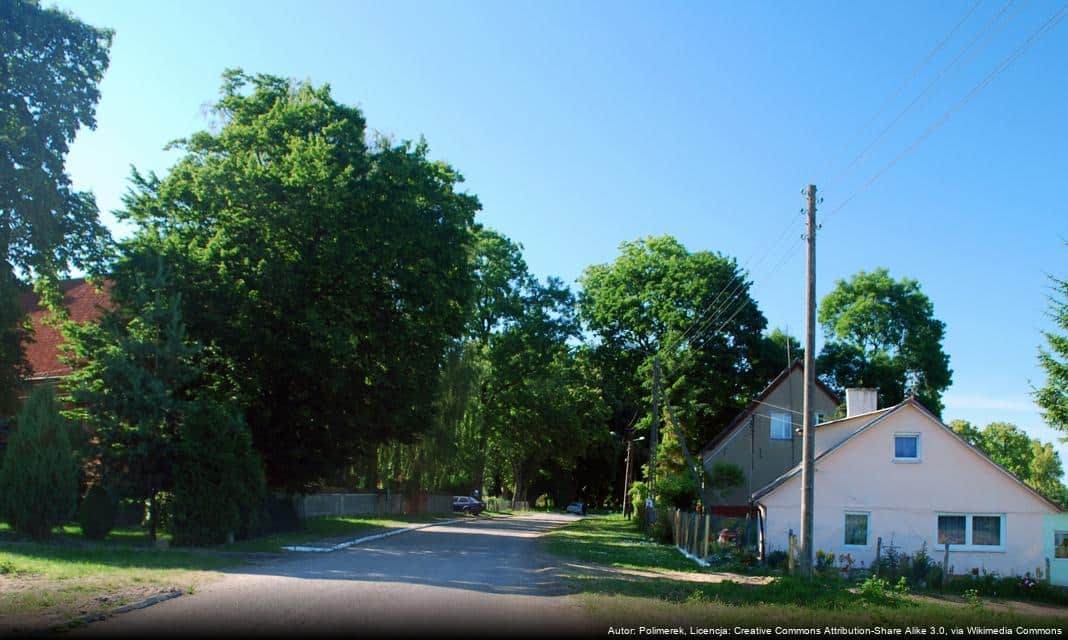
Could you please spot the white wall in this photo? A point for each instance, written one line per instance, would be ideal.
(904, 499)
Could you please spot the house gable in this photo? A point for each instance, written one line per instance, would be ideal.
(950, 474)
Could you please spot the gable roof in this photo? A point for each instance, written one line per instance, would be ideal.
(755, 403)
(86, 304)
(879, 416)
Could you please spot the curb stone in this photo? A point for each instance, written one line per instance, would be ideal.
(377, 536)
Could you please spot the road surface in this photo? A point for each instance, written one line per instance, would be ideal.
(481, 577)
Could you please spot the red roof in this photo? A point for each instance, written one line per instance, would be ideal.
(86, 304)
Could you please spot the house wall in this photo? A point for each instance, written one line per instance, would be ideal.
(904, 499)
(752, 448)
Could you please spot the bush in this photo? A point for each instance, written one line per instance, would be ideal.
(39, 477)
(777, 559)
(98, 512)
(878, 592)
(824, 562)
(218, 478)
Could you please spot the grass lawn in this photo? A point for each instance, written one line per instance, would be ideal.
(71, 534)
(47, 585)
(326, 530)
(616, 542)
(631, 582)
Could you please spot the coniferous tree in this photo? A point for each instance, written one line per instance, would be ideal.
(39, 477)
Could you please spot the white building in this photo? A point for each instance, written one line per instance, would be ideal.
(903, 475)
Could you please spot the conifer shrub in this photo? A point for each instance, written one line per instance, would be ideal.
(218, 478)
(98, 513)
(39, 476)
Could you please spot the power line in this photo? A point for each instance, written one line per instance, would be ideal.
(985, 31)
(1046, 27)
(912, 76)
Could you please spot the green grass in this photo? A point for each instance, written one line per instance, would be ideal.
(617, 542)
(329, 529)
(72, 534)
(622, 599)
(44, 585)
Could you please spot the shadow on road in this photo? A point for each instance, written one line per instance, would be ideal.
(496, 556)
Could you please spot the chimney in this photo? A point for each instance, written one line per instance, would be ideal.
(860, 401)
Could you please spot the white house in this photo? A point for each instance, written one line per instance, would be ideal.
(902, 475)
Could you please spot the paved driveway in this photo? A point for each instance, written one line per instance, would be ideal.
(482, 577)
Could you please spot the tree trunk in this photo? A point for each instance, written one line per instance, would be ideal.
(153, 516)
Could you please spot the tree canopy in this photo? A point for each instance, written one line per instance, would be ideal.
(883, 333)
(1053, 396)
(329, 273)
(49, 72)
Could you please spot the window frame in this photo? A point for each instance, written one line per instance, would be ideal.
(919, 447)
(789, 435)
(968, 546)
(867, 529)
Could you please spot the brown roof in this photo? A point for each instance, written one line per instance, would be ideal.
(761, 397)
(86, 304)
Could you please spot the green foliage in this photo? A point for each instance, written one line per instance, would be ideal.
(724, 476)
(1053, 396)
(38, 479)
(777, 559)
(975, 603)
(98, 513)
(218, 477)
(875, 591)
(643, 302)
(51, 66)
(326, 274)
(133, 377)
(824, 561)
(882, 333)
(1014, 587)
(1035, 462)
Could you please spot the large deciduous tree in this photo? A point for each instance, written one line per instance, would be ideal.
(1053, 396)
(49, 72)
(883, 333)
(695, 309)
(329, 273)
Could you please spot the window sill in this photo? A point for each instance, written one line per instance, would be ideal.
(856, 547)
(971, 548)
(906, 461)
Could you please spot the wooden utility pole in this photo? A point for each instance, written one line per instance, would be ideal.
(654, 440)
(808, 444)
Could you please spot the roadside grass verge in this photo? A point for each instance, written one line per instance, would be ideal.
(330, 530)
(715, 599)
(615, 541)
(47, 585)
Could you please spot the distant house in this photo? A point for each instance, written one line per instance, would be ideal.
(85, 303)
(764, 439)
(901, 475)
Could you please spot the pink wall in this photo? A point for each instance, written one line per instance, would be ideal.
(904, 499)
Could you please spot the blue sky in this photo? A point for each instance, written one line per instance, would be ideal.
(581, 125)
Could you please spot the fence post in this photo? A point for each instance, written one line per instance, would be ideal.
(1049, 579)
(791, 563)
(878, 554)
(945, 566)
(695, 548)
(708, 526)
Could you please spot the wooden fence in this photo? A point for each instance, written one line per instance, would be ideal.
(706, 537)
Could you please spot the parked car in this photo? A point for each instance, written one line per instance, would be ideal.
(467, 504)
(577, 507)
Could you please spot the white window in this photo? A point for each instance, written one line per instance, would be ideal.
(856, 528)
(906, 447)
(781, 426)
(971, 531)
(1060, 544)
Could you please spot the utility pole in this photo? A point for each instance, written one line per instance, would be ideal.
(654, 440)
(808, 442)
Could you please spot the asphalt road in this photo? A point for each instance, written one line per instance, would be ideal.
(482, 577)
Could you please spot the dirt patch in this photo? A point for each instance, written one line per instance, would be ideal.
(1005, 606)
